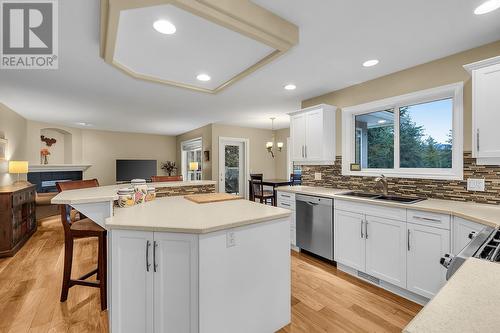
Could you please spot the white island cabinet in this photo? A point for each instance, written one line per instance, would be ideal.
(178, 266)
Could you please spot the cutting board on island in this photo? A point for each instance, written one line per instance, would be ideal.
(211, 197)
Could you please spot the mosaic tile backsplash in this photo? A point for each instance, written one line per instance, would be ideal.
(438, 189)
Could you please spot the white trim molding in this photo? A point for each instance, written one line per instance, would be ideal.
(481, 64)
(454, 91)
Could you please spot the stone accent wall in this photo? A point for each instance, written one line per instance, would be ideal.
(438, 189)
(183, 190)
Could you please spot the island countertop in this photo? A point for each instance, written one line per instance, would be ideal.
(176, 214)
(109, 193)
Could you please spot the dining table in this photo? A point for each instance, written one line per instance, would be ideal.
(274, 183)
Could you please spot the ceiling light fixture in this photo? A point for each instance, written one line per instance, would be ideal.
(290, 86)
(370, 63)
(487, 7)
(164, 27)
(203, 77)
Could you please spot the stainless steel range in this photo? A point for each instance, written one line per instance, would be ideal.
(484, 245)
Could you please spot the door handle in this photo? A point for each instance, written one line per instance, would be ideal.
(477, 139)
(155, 265)
(366, 229)
(361, 229)
(409, 233)
(148, 245)
(305, 151)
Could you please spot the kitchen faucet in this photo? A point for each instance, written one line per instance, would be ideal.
(382, 182)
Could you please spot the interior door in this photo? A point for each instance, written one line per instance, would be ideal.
(298, 136)
(426, 245)
(132, 281)
(232, 171)
(486, 106)
(349, 241)
(386, 250)
(314, 135)
(175, 265)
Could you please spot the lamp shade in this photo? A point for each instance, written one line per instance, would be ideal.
(193, 166)
(18, 167)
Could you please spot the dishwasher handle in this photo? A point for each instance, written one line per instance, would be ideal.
(314, 201)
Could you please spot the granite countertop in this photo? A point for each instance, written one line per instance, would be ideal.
(108, 193)
(480, 213)
(468, 302)
(176, 214)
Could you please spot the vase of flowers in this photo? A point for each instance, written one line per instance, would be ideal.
(169, 167)
(44, 153)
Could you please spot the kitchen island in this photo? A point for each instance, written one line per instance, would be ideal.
(178, 266)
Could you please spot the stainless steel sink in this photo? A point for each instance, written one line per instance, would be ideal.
(391, 198)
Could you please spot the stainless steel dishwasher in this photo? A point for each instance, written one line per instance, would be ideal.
(314, 223)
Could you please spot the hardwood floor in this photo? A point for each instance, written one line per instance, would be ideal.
(323, 298)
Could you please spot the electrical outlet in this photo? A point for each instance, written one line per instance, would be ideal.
(230, 239)
(317, 176)
(475, 185)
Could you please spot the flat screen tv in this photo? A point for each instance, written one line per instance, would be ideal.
(126, 170)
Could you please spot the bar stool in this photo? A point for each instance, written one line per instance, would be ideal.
(82, 227)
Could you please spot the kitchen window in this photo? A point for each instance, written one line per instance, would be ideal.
(418, 135)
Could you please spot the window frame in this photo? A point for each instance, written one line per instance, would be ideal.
(184, 163)
(454, 91)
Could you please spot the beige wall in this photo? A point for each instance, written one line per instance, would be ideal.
(433, 74)
(102, 148)
(205, 133)
(13, 128)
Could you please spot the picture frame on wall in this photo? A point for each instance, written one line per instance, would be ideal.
(3, 149)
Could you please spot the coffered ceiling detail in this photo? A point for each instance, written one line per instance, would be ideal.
(225, 39)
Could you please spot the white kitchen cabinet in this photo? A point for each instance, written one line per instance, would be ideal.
(176, 269)
(312, 135)
(153, 272)
(426, 245)
(485, 106)
(287, 200)
(131, 308)
(349, 239)
(385, 250)
(461, 230)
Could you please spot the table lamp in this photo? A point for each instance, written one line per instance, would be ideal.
(193, 166)
(18, 167)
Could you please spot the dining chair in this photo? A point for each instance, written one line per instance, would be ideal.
(76, 225)
(261, 194)
(160, 179)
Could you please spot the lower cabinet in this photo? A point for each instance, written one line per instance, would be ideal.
(426, 245)
(461, 230)
(349, 240)
(287, 200)
(385, 250)
(152, 274)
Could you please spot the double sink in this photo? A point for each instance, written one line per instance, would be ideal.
(383, 197)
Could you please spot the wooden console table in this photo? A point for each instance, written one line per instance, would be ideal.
(17, 217)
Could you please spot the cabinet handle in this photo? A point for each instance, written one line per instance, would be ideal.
(148, 245)
(361, 229)
(409, 240)
(477, 139)
(284, 204)
(302, 151)
(366, 229)
(426, 219)
(155, 265)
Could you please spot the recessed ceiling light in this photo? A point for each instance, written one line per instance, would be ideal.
(487, 7)
(370, 63)
(203, 77)
(164, 27)
(290, 86)
(84, 124)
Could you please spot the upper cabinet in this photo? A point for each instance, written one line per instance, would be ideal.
(312, 135)
(485, 110)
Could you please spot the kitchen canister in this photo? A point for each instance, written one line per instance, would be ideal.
(126, 197)
(140, 190)
(151, 194)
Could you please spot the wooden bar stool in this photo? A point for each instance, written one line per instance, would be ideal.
(261, 194)
(82, 227)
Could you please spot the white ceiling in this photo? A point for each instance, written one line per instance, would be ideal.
(198, 46)
(335, 38)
